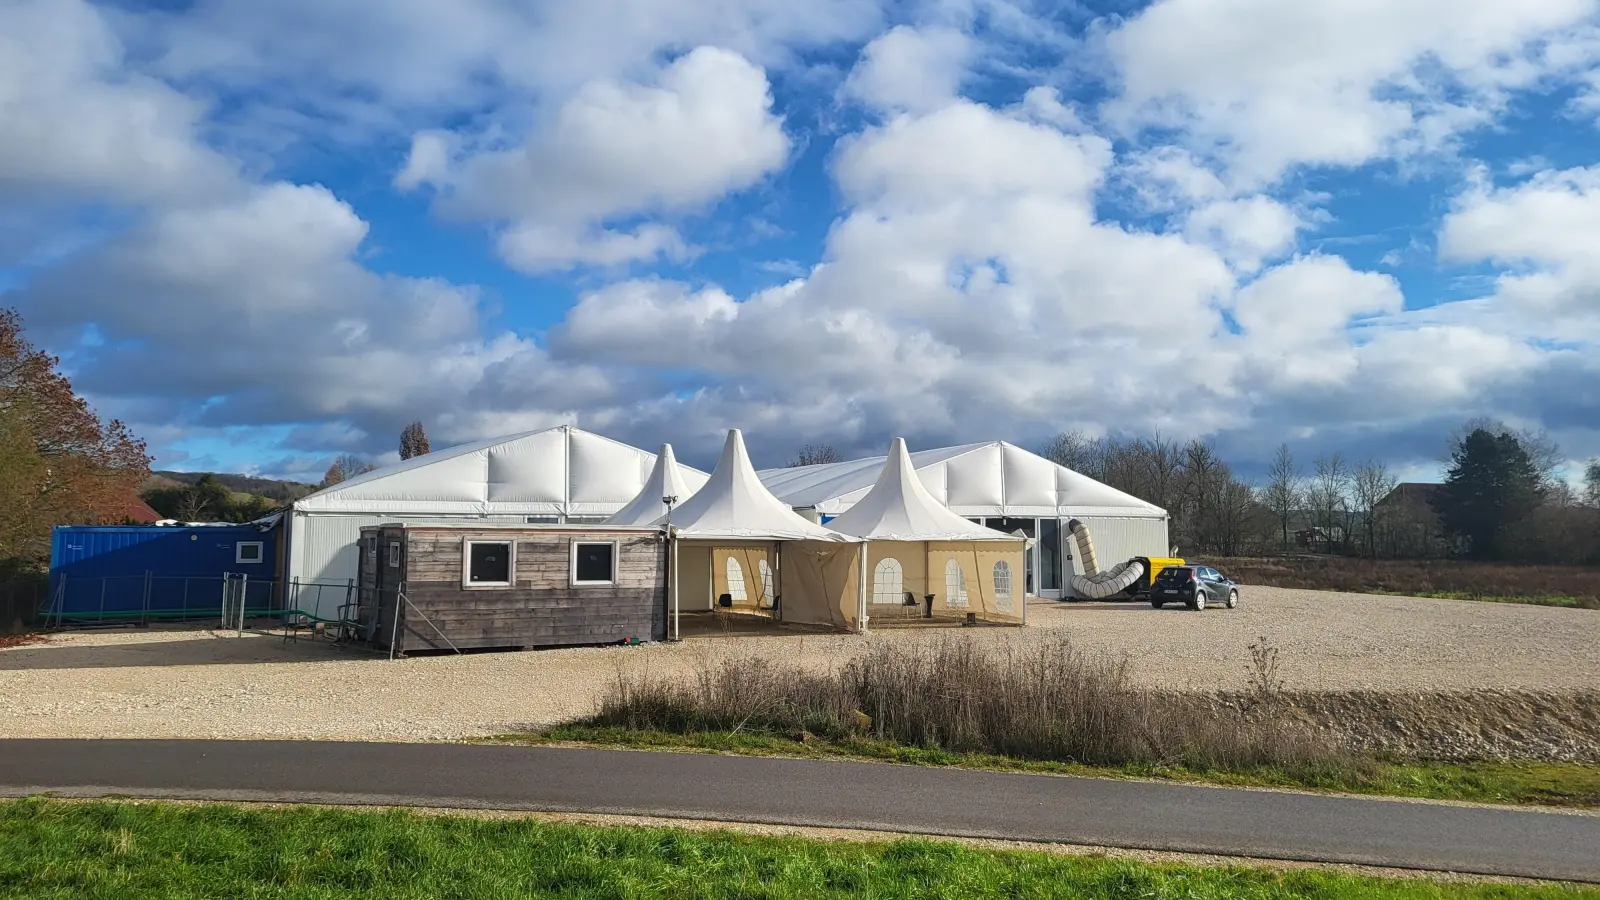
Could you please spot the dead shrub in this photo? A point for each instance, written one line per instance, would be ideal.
(1041, 699)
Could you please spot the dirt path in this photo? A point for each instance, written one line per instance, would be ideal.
(199, 684)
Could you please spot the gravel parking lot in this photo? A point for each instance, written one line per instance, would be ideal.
(190, 683)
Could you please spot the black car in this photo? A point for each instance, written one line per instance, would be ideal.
(1196, 586)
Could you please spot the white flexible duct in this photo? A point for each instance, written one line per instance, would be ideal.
(1095, 584)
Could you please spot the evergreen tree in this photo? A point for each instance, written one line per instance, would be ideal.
(1492, 483)
(414, 441)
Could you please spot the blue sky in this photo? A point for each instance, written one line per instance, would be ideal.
(268, 233)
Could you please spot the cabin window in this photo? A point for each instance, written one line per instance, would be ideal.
(248, 551)
(594, 562)
(372, 548)
(394, 554)
(542, 520)
(489, 563)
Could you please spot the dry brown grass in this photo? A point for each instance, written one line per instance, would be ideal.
(20, 640)
(1422, 578)
(1042, 699)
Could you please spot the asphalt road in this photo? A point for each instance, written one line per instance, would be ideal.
(1265, 824)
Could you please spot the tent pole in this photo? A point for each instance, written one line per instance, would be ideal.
(676, 635)
(861, 592)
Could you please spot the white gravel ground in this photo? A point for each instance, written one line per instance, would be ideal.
(203, 684)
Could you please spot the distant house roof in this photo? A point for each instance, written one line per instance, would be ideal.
(137, 511)
(1412, 493)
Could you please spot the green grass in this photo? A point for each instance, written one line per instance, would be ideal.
(1536, 600)
(1572, 785)
(54, 849)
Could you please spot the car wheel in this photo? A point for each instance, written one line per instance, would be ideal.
(1233, 597)
(1199, 602)
(1158, 603)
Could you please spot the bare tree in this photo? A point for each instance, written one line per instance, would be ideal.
(1073, 450)
(1369, 485)
(345, 466)
(815, 455)
(1328, 497)
(1591, 484)
(1285, 489)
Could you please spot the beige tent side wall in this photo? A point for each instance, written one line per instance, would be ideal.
(979, 563)
(748, 560)
(884, 602)
(694, 576)
(820, 583)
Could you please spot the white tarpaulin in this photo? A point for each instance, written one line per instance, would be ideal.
(561, 471)
(899, 508)
(990, 479)
(666, 480)
(733, 504)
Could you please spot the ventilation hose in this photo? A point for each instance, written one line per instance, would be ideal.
(1095, 584)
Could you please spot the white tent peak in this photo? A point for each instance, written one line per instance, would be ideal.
(665, 481)
(900, 508)
(734, 504)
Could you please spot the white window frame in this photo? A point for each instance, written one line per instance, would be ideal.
(466, 566)
(394, 554)
(572, 564)
(261, 552)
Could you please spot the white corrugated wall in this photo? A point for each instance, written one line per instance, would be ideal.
(1117, 539)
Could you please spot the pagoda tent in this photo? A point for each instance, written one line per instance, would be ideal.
(736, 546)
(917, 548)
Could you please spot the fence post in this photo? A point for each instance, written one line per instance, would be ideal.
(144, 611)
(227, 587)
(103, 581)
(244, 600)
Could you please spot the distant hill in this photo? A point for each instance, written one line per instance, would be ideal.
(272, 489)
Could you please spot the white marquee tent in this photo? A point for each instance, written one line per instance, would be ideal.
(665, 480)
(734, 538)
(916, 546)
(1003, 486)
(557, 475)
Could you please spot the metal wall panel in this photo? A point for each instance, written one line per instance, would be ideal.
(1117, 539)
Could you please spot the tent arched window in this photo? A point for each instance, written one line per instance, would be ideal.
(1002, 586)
(887, 581)
(736, 582)
(766, 583)
(955, 584)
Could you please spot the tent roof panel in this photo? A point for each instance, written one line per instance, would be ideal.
(664, 481)
(556, 470)
(986, 479)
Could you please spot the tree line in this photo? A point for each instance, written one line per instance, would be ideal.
(1502, 498)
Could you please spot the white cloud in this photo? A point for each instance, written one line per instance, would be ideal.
(1311, 299)
(1264, 85)
(74, 123)
(616, 150)
(1246, 231)
(910, 69)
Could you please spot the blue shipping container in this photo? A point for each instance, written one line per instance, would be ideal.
(134, 571)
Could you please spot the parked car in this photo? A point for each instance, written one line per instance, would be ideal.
(1196, 586)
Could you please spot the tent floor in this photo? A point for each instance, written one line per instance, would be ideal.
(719, 624)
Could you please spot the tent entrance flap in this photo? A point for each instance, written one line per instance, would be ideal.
(743, 578)
(820, 584)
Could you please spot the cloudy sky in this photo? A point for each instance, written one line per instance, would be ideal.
(265, 233)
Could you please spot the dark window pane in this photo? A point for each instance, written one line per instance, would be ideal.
(490, 563)
(1050, 554)
(594, 562)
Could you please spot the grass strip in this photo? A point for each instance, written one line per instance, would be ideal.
(54, 849)
(1568, 785)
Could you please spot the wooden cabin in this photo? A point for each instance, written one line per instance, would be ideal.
(458, 588)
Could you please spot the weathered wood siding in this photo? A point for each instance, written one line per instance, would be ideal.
(541, 607)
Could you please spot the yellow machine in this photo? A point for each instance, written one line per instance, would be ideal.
(1152, 568)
